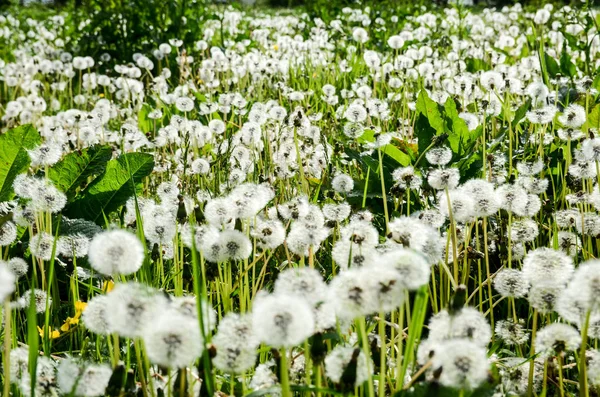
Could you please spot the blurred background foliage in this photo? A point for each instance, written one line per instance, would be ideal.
(121, 28)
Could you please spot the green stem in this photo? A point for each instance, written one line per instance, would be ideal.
(285, 375)
(7, 348)
(362, 327)
(583, 381)
(532, 354)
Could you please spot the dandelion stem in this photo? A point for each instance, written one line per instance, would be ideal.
(583, 381)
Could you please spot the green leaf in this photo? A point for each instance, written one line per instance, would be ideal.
(552, 66)
(566, 66)
(145, 123)
(572, 40)
(424, 133)
(14, 159)
(415, 328)
(593, 119)
(399, 156)
(429, 108)
(73, 170)
(71, 227)
(521, 112)
(113, 188)
(459, 136)
(475, 65)
(596, 82)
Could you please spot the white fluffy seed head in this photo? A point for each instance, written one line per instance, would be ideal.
(557, 338)
(94, 316)
(235, 344)
(463, 364)
(173, 340)
(544, 264)
(338, 360)
(282, 320)
(511, 283)
(83, 379)
(133, 308)
(468, 323)
(305, 282)
(116, 252)
(7, 282)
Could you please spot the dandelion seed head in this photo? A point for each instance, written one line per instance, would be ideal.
(116, 252)
(83, 379)
(512, 333)
(445, 178)
(94, 316)
(511, 283)
(7, 281)
(338, 360)
(543, 264)
(282, 320)
(468, 323)
(132, 308)
(173, 341)
(463, 364)
(556, 338)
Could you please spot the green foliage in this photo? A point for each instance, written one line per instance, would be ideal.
(121, 28)
(437, 123)
(14, 159)
(76, 167)
(73, 227)
(429, 108)
(113, 188)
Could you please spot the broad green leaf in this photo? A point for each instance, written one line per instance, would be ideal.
(399, 156)
(71, 227)
(73, 170)
(552, 66)
(424, 133)
(593, 119)
(145, 123)
(521, 112)
(429, 108)
(572, 40)
(475, 65)
(14, 159)
(566, 66)
(596, 82)
(390, 150)
(113, 188)
(459, 135)
(367, 136)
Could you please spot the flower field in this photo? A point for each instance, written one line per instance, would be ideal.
(385, 202)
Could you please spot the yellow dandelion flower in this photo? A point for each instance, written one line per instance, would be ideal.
(52, 334)
(108, 286)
